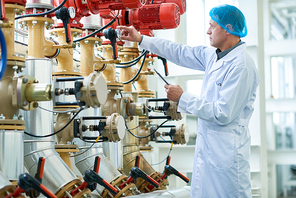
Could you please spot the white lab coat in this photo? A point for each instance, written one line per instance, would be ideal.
(222, 153)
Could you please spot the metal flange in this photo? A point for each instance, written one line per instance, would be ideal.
(19, 93)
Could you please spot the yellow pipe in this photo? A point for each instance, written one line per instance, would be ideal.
(111, 105)
(38, 46)
(126, 55)
(142, 83)
(87, 56)
(109, 73)
(9, 32)
(126, 74)
(65, 58)
(6, 83)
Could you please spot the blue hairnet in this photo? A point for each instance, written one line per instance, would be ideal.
(231, 19)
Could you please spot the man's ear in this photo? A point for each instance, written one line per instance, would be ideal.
(229, 27)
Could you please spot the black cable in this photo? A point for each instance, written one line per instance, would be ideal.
(132, 61)
(97, 31)
(76, 60)
(126, 66)
(135, 61)
(44, 136)
(43, 13)
(87, 141)
(152, 1)
(146, 135)
(137, 74)
(163, 159)
(84, 151)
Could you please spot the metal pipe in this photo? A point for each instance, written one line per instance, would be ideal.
(38, 122)
(5, 186)
(12, 149)
(12, 153)
(131, 145)
(86, 161)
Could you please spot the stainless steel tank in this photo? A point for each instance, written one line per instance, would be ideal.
(5, 186)
(40, 122)
(86, 161)
(12, 153)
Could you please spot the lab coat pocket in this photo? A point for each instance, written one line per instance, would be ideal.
(218, 85)
(221, 149)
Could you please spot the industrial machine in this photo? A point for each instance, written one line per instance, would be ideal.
(60, 114)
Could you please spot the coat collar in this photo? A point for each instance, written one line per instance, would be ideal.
(232, 54)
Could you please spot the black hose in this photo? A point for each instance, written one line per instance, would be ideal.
(137, 74)
(44, 136)
(43, 13)
(146, 135)
(132, 61)
(97, 31)
(126, 66)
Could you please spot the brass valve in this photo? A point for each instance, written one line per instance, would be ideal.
(27, 91)
(172, 111)
(4, 24)
(128, 108)
(181, 135)
(111, 128)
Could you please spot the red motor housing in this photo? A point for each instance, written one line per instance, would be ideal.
(105, 7)
(18, 2)
(152, 17)
(180, 3)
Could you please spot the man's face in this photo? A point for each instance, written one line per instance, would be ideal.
(216, 34)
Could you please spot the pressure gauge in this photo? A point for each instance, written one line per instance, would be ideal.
(71, 11)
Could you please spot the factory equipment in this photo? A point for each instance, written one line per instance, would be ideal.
(81, 112)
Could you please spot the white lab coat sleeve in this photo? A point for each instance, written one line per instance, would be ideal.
(185, 56)
(234, 94)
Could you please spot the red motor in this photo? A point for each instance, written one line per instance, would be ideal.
(105, 8)
(18, 2)
(152, 17)
(180, 3)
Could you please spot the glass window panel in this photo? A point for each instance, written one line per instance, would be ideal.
(283, 77)
(283, 22)
(286, 180)
(284, 126)
(195, 22)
